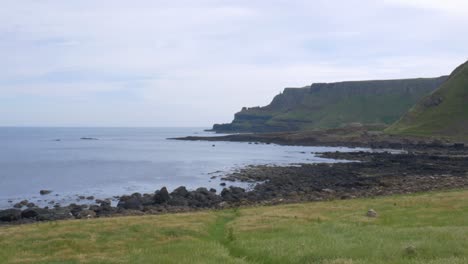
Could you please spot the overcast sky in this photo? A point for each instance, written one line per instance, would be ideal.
(194, 63)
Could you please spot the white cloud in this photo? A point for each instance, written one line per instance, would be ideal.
(451, 7)
(181, 57)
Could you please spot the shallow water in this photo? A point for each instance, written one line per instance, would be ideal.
(123, 161)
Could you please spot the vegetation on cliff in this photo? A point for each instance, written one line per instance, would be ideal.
(330, 105)
(442, 113)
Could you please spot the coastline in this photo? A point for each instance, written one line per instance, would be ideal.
(370, 175)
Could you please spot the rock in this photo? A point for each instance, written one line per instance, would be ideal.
(45, 192)
(233, 194)
(90, 198)
(162, 196)
(32, 213)
(371, 213)
(180, 191)
(88, 138)
(459, 145)
(10, 215)
(86, 214)
(104, 203)
(130, 203)
(75, 209)
(30, 205)
(81, 197)
(213, 190)
(54, 214)
(222, 184)
(21, 204)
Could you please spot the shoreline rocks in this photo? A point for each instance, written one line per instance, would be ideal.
(375, 174)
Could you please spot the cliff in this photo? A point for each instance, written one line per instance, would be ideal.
(330, 105)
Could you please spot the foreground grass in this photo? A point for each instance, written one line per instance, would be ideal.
(423, 228)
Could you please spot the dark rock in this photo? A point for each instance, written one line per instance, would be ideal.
(90, 198)
(213, 190)
(131, 203)
(162, 196)
(33, 212)
(44, 192)
(10, 215)
(233, 194)
(180, 191)
(30, 205)
(223, 184)
(54, 214)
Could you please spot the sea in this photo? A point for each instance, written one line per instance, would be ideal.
(109, 162)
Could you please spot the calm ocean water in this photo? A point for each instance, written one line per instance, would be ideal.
(123, 161)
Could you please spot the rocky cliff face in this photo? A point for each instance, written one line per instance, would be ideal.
(329, 105)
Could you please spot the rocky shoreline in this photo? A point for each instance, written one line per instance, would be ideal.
(372, 174)
(351, 136)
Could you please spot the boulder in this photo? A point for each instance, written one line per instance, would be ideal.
(180, 191)
(233, 194)
(161, 196)
(130, 203)
(10, 215)
(32, 213)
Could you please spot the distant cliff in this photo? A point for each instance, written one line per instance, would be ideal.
(329, 105)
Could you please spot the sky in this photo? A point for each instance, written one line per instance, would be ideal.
(194, 63)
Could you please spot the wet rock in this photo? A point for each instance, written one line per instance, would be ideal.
(45, 192)
(90, 198)
(81, 197)
(222, 184)
(371, 213)
(10, 215)
(30, 205)
(213, 190)
(161, 196)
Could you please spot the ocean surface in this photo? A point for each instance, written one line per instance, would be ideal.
(124, 161)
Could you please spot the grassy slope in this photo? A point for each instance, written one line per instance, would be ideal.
(434, 224)
(449, 118)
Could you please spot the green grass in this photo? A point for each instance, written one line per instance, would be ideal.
(449, 118)
(422, 228)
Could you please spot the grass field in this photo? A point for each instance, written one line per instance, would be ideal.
(422, 228)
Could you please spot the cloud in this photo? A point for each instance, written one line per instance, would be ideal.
(197, 62)
(450, 7)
